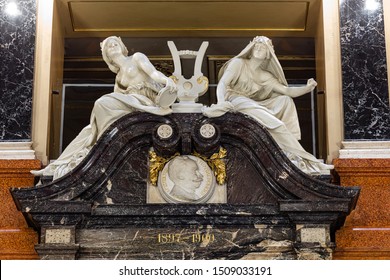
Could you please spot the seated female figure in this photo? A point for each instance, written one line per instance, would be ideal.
(253, 83)
(137, 86)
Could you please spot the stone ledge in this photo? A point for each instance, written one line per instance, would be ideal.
(18, 167)
(365, 149)
(16, 150)
(363, 165)
(361, 254)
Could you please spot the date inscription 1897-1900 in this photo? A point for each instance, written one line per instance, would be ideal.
(178, 238)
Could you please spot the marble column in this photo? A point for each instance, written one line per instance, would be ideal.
(365, 86)
(17, 41)
(365, 156)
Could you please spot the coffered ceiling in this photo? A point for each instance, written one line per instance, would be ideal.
(166, 18)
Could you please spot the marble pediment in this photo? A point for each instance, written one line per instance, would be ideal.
(109, 187)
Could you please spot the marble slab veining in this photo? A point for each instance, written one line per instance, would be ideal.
(272, 211)
(17, 40)
(364, 70)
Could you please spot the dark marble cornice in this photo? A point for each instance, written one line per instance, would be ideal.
(263, 186)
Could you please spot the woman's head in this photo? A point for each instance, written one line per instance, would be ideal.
(111, 46)
(262, 48)
(259, 43)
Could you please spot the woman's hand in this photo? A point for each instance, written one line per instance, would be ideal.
(311, 84)
(295, 91)
(167, 95)
(170, 85)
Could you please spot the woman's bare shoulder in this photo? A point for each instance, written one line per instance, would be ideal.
(137, 56)
(236, 62)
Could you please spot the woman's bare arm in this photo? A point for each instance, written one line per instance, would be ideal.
(295, 91)
(144, 63)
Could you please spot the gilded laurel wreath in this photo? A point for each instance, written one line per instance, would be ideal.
(215, 162)
(157, 164)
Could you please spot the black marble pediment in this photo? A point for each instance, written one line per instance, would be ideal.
(108, 188)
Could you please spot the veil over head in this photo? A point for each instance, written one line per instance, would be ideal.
(125, 52)
(273, 66)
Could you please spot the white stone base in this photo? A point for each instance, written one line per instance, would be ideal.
(365, 149)
(16, 150)
(153, 195)
(187, 107)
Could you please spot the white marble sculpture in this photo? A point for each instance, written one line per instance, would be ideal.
(253, 83)
(190, 89)
(185, 175)
(138, 87)
(188, 179)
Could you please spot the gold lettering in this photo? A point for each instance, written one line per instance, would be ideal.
(166, 238)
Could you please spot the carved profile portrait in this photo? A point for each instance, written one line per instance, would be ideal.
(186, 179)
(184, 173)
